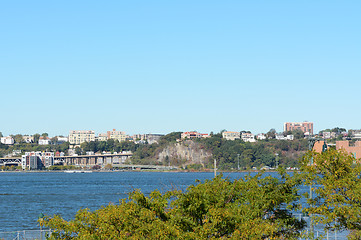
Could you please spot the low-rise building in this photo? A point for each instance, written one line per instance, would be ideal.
(44, 141)
(61, 139)
(7, 140)
(37, 160)
(282, 137)
(248, 137)
(190, 135)
(261, 136)
(231, 135)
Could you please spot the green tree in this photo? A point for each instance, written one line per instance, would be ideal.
(271, 133)
(250, 208)
(335, 179)
(36, 137)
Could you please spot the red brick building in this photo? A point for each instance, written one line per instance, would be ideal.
(354, 149)
(305, 127)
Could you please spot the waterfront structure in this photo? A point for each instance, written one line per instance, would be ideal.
(190, 135)
(231, 135)
(305, 127)
(37, 160)
(78, 137)
(248, 137)
(354, 149)
(7, 140)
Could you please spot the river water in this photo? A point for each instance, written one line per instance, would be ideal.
(24, 196)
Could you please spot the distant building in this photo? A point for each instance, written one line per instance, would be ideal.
(78, 137)
(281, 137)
(44, 141)
(37, 160)
(261, 136)
(305, 127)
(355, 149)
(153, 138)
(357, 135)
(28, 139)
(62, 139)
(190, 135)
(146, 138)
(231, 135)
(102, 137)
(248, 137)
(117, 135)
(7, 140)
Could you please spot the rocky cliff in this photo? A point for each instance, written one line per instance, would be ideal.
(184, 153)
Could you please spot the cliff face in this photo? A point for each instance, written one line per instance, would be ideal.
(184, 153)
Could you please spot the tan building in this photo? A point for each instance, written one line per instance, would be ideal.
(78, 137)
(102, 137)
(231, 135)
(305, 127)
(117, 135)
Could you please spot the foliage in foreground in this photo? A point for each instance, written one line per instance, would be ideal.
(251, 208)
(256, 207)
(335, 179)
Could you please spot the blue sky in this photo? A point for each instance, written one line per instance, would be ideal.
(163, 66)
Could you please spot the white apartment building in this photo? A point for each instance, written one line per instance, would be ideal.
(78, 137)
(231, 135)
(7, 140)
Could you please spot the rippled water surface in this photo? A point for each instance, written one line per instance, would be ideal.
(24, 196)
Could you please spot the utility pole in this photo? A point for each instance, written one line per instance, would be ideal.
(215, 168)
(238, 161)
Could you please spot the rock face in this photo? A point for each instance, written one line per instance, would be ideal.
(184, 153)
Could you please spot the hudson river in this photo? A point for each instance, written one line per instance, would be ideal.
(24, 196)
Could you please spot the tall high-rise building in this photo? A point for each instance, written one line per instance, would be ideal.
(305, 127)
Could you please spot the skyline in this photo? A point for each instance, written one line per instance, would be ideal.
(158, 67)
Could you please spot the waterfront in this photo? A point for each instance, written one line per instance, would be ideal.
(24, 196)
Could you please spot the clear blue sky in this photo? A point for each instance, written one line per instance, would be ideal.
(163, 66)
